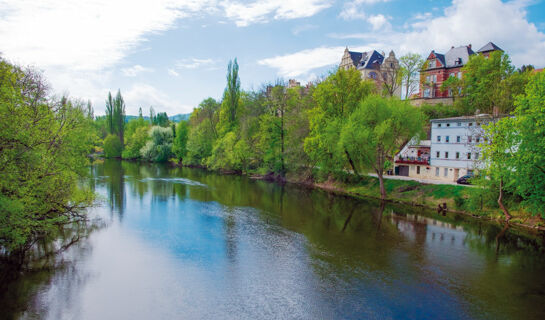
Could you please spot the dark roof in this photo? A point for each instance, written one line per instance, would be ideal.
(481, 116)
(440, 57)
(489, 47)
(355, 56)
(459, 56)
(370, 59)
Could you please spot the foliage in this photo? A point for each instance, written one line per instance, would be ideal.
(231, 99)
(135, 142)
(161, 120)
(411, 64)
(490, 82)
(115, 115)
(179, 147)
(335, 100)
(159, 147)
(376, 131)
(112, 146)
(42, 156)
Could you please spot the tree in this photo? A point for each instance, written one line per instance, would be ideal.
(499, 159)
(231, 99)
(335, 100)
(159, 147)
(161, 120)
(376, 131)
(136, 137)
(490, 82)
(43, 155)
(112, 146)
(411, 64)
(179, 147)
(115, 115)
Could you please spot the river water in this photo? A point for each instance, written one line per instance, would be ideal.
(180, 243)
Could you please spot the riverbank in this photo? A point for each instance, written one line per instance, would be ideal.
(407, 192)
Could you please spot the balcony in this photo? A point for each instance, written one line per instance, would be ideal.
(413, 160)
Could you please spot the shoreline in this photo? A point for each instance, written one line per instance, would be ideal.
(339, 188)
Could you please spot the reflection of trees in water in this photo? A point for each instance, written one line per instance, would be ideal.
(114, 172)
(50, 258)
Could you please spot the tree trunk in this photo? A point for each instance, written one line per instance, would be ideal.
(500, 203)
(381, 181)
(351, 163)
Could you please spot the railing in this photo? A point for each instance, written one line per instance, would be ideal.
(413, 160)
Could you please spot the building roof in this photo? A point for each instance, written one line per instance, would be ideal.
(489, 47)
(369, 60)
(459, 56)
(355, 56)
(466, 118)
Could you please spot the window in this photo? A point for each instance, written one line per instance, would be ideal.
(459, 75)
(448, 124)
(452, 75)
(417, 169)
(476, 155)
(470, 124)
(469, 156)
(431, 64)
(438, 125)
(445, 172)
(446, 154)
(458, 139)
(434, 78)
(438, 154)
(438, 138)
(469, 139)
(427, 93)
(449, 92)
(447, 139)
(427, 78)
(459, 124)
(457, 155)
(437, 172)
(373, 75)
(478, 139)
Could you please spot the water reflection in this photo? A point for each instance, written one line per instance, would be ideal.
(187, 243)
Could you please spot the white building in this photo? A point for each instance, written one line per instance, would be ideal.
(454, 149)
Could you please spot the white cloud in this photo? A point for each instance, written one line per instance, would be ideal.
(300, 63)
(88, 35)
(378, 22)
(263, 10)
(142, 95)
(194, 63)
(302, 28)
(173, 72)
(135, 70)
(462, 23)
(353, 10)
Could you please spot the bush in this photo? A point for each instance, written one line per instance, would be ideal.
(159, 148)
(135, 143)
(112, 146)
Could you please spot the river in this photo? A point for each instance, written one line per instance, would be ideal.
(179, 243)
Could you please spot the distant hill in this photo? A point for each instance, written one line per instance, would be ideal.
(174, 118)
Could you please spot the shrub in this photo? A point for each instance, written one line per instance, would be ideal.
(112, 146)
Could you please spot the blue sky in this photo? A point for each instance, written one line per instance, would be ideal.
(171, 54)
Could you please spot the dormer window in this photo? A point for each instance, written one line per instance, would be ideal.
(431, 63)
(459, 61)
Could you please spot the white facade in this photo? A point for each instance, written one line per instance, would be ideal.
(455, 144)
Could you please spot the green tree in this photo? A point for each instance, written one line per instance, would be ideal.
(411, 64)
(179, 147)
(231, 99)
(376, 131)
(490, 82)
(159, 147)
(335, 100)
(136, 140)
(515, 154)
(43, 154)
(161, 120)
(112, 146)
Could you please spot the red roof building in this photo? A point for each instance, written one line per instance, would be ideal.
(439, 67)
